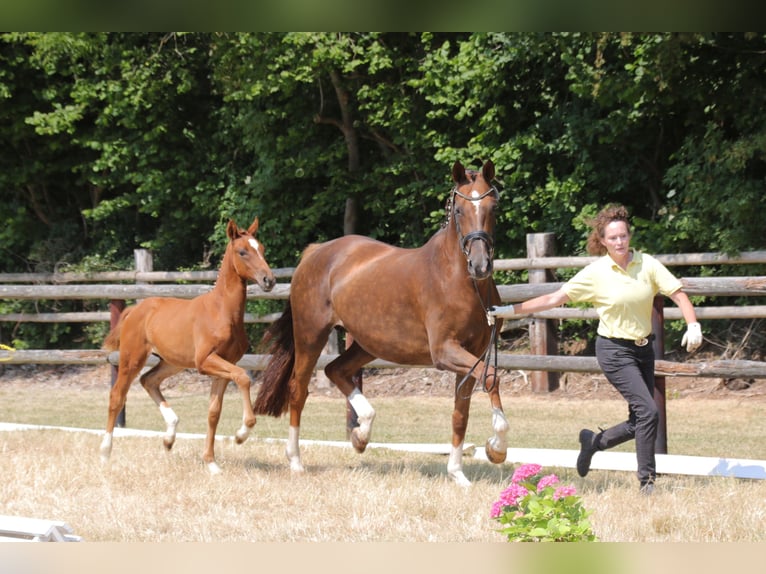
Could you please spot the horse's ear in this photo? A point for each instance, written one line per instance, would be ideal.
(232, 231)
(253, 229)
(458, 172)
(488, 171)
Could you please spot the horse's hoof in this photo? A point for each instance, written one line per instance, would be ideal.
(358, 443)
(214, 469)
(460, 479)
(242, 435)
(168, 443)
(495, 456)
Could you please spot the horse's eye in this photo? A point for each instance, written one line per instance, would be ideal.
(243, 252)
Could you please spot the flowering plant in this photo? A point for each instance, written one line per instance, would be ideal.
(538, 508)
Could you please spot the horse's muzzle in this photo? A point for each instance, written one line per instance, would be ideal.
(267, 283)
(478, 249)
(479, 272)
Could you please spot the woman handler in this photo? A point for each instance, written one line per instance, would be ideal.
(622, 285)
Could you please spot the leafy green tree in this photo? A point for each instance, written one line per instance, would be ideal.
(114, 141)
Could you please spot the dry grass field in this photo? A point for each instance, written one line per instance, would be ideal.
(148, 495)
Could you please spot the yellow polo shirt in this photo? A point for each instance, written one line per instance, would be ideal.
(622, 298)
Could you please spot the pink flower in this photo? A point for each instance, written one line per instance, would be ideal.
(509, 497)
(525, 471)
(564, 491)
(547, 480)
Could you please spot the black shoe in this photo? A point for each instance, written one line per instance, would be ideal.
(647, 488)
(588, 447)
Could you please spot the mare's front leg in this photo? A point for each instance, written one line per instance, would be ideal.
(463, 395)
(453, 357)
(497, 446)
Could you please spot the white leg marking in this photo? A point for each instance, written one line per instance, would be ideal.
(499, 442)
(455, 466)
(364, 412)
(171, 419)
(292, 449)
(106, 447)
(214, 469)
(242, 433)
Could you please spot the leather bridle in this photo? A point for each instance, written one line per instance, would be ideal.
(481, 235)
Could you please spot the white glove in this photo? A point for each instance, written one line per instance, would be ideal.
(693, 337)
(502, 310)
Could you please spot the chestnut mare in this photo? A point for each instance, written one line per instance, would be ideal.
(423, 306)
(206, 333)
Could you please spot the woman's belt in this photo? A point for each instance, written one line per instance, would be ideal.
(641, 342)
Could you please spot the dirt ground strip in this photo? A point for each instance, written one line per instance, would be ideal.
(402, 382)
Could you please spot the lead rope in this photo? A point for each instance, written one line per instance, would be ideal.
(493, 344)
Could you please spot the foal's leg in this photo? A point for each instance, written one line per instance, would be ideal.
(341, 372)
(213, 416)
(218, 367)
(129, 366)
(151, 382)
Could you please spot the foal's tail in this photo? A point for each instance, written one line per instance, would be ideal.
(112, 341)
(274, 393)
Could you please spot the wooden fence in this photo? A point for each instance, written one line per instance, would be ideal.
(114, 288)
(120, 286)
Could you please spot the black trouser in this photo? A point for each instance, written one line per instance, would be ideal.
(630, 369)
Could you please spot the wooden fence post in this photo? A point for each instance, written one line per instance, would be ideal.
(543, 338)
(144, 262)
(658, 328)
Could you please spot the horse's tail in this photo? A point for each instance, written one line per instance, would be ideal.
(112, 341)
(273, 396)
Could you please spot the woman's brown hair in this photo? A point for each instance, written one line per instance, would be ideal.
(606, 216)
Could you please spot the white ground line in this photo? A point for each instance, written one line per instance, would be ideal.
(625, 461)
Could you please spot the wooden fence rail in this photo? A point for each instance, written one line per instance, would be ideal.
(506, 361)
(518, 264)
(710, 286)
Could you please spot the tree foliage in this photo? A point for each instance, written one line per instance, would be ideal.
(114, 141)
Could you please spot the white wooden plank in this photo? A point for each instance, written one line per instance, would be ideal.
(603, 460)
(626, 461)
(19, 529)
